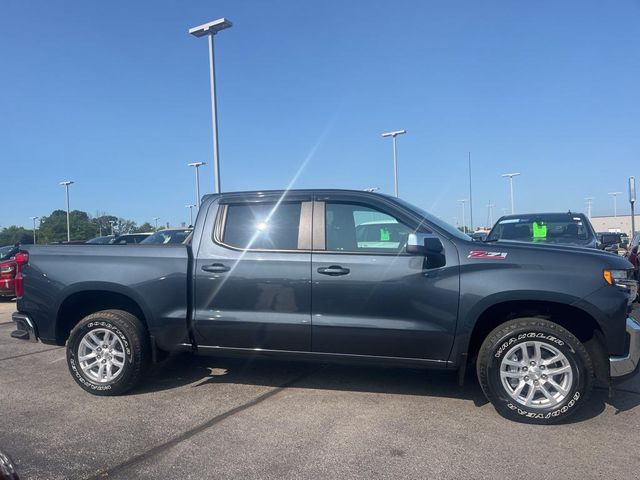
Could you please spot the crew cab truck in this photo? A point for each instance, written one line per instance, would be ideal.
(294, 274)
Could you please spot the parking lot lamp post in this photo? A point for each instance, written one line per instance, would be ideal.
(589, 204)
(34, 228)
(632, 201)
(511, 175)
(209, 30)
(615, 202)
(393, 135)
(190, 207)
(490, 216)
(464, 217)
(66, 184)
(197, 166)
(156, 220)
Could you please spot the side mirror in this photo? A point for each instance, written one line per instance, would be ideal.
(424, 244)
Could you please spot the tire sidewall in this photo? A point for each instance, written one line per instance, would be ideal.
(74, 365)
(509, 407)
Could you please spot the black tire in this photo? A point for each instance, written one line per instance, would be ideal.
(135, 341)
(503, 339)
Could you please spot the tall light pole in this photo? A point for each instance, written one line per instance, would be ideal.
(393, 135)
(464, 217)
(632, 202)
(197, 166)
(66, 184)
(490, 216)
(589, 204)
(470, 197)
(209, 30)
(156, 220)
(615, 202)
(190, 207)
(34, 228)
(511, 175)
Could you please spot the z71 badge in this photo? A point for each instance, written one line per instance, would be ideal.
(483, 254)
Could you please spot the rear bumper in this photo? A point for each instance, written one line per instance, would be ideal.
(25, 328)
(625, 366)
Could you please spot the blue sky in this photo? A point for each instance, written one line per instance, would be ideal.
(115, 96)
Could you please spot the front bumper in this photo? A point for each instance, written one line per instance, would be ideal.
(25, 328)
(627, 365)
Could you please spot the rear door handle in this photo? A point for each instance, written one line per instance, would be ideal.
(216, 268)
(334, 270)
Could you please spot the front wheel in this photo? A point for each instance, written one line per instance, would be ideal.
(108, 352)
(534, 371)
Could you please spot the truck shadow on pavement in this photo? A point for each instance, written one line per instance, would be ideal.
(188, 371)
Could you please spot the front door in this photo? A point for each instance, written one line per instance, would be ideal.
(252, 279)
(369, 296)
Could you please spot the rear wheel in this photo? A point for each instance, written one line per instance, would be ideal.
(534, 371)
(108, 352)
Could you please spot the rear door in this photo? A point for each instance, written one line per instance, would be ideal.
(252, 276)
(369, 296)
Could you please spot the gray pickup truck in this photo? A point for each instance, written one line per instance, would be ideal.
(338, 275)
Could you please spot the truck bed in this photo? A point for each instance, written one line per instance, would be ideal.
(153, 277)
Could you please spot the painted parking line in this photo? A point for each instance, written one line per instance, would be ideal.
(27, 354)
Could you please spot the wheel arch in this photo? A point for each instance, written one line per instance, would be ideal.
(574, 319)
(85, 299)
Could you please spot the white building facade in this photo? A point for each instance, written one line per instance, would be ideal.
(621, 223)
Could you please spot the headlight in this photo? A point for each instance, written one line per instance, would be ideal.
(617, 277)
(624, 279)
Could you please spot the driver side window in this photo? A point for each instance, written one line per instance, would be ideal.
(352, 227)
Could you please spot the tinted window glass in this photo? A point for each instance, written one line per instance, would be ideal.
(262, 226)
(352, 227)
(166, 237)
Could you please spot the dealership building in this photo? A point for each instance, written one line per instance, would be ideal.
(621, 223)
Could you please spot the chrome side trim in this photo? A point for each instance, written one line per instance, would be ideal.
(621, 366)
(320, 355)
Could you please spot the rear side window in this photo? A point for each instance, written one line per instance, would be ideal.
(357, 228)
(262, 226)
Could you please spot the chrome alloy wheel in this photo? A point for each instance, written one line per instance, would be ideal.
(101, 355)
(536, 374)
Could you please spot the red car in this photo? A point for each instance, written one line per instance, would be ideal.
(632, 252)
(7, 272)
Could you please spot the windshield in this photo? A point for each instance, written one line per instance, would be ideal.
(166, 237)
(442, 225)
(5, 252)
(561, 228)
(101, 240)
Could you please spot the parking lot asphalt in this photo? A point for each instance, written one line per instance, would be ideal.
(204, 417)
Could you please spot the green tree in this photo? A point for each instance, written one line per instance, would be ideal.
(14, 234)
(102, 223)
(126, 226)
(145, 227)
(53, 228)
